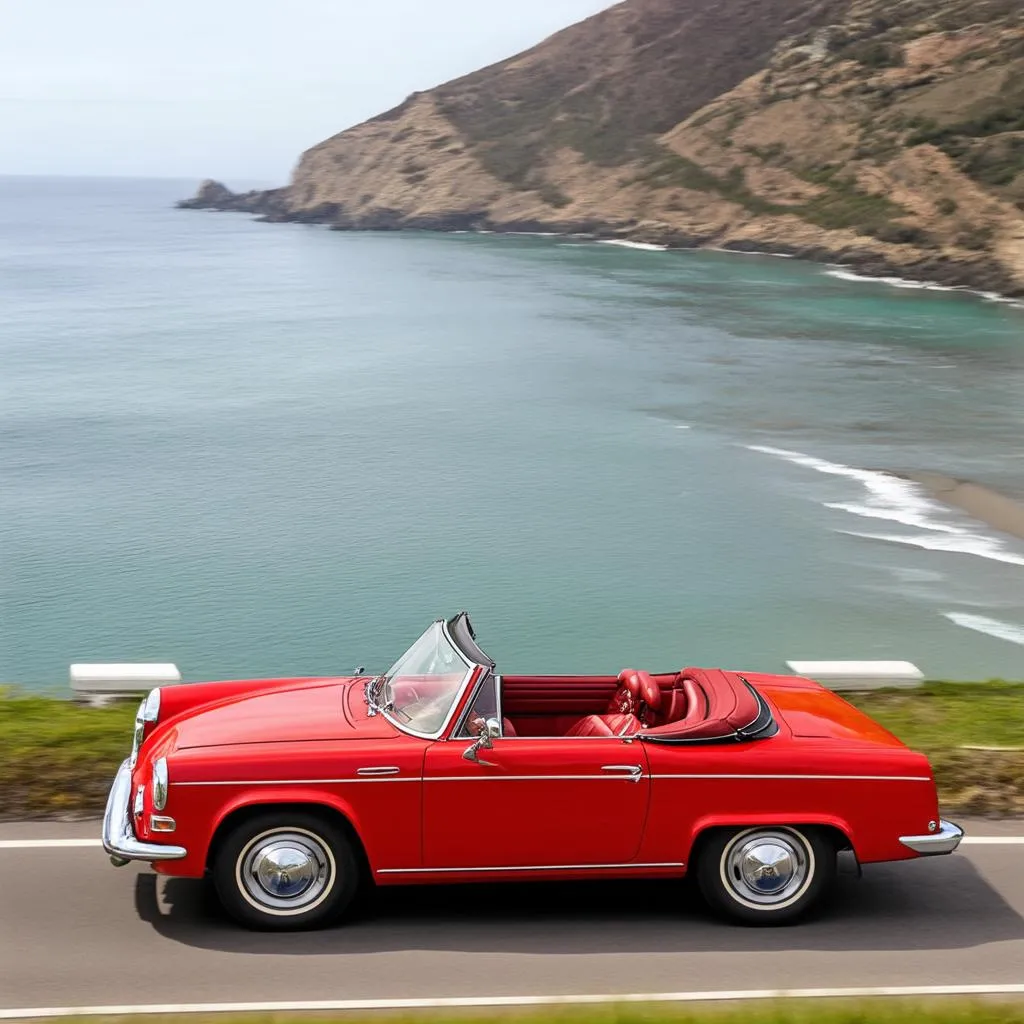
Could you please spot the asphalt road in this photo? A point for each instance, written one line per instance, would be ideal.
(74, 931)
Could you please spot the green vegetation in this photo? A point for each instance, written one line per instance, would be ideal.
(874, 54)
(58, 758)
(842, 205)
(941, 719)
(553, 195)
(666, 169)
(938, 716)
(981, 143)
(874, 1011)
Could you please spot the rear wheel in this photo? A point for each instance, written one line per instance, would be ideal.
(767, 874)
(286, 871)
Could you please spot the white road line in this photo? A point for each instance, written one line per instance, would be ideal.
(29, 1013)
(42, 844)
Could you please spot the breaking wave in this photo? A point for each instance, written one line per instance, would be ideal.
(626, 244)
(889, 497)
(965, 543)
(904, 282)
(900, 501)
(991, 627)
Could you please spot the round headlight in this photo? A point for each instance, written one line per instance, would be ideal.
(160, 783)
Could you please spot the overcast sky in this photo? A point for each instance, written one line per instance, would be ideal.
(232, 89)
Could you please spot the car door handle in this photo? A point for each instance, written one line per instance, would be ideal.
(378, 771)
(635, 771)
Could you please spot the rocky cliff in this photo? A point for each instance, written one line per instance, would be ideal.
(885, 134)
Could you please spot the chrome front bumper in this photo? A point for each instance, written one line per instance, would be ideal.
(945, 840)
(119, 835)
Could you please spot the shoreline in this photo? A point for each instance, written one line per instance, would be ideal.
(984, 277)
(985, 504)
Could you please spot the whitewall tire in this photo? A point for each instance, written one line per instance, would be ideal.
(767, 874)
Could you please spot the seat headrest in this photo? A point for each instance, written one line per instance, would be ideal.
(642, 685)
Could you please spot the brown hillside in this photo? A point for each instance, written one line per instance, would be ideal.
(884, 133)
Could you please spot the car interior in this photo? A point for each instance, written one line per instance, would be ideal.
(695, 704)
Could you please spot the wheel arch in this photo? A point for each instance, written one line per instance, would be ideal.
(244, 809)
(835, 828)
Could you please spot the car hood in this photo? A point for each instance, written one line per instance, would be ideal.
(306, 711)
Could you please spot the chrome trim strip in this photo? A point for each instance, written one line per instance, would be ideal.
(416, 778)
(530, 867)
(383, 770)
(946, 840)
(118, 836)
(872, 778)
(573, 739)
(541, 778)
(293, 782)
(523, 778)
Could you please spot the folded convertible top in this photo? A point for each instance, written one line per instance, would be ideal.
(721, 707)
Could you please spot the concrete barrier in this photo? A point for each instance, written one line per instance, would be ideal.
(100, 684)
(859, 675)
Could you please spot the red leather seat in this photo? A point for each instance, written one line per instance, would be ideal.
(606, 725)
(507, 728)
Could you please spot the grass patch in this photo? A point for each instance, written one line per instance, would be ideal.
(56, 757)
(874, 1011)
(59, 758)
(667, 169)
(938, 716)
(939, 719)
(844, 205)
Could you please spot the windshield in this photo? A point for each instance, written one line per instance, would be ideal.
(419, 691)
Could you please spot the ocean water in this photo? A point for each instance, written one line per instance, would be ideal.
(260, 449)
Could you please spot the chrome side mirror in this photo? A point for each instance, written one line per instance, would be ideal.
(492, 730)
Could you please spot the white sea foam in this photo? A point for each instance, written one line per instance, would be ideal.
(626, 244)
(964, 543)
(904, 282)
(889, 497)
(903, 502)
(750, 252)
(894, 282)
(991, 627)
(683, 426)
(906, 517)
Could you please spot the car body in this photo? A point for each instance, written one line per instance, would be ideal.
(293, 793)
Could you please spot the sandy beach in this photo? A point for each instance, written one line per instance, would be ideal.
(988, 506)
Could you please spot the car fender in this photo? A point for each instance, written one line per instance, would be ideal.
(710, 821)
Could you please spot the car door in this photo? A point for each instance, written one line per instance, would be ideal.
(533, 802)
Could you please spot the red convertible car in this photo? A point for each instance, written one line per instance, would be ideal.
(294, 793)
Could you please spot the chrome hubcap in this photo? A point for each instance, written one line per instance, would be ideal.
(767, 868)
(285, 871)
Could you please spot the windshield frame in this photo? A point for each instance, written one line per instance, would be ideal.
(472, 668)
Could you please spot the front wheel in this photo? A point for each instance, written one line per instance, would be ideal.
(765, 875)
(288, 871)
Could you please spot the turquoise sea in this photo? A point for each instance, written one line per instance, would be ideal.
(259, 449)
